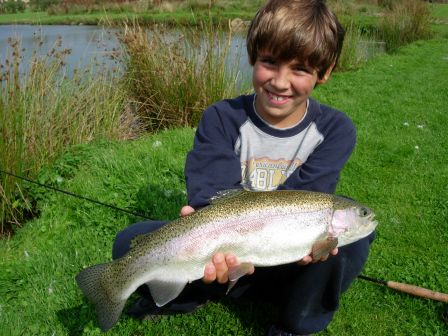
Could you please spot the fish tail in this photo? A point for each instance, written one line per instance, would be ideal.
(108, 311)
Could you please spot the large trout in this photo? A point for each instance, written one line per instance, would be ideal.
(260, 228)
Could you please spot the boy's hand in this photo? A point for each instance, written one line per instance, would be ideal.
(309, 259)
(218, 269)
(186, 210)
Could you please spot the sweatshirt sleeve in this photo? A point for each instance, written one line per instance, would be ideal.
(212, 164)
(322, 169)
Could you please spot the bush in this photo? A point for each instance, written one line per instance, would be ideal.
(42, 5)
(12, 6)
(386, 3)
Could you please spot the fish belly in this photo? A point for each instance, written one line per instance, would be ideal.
(262, 239)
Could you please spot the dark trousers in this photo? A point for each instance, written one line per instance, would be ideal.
(308, 296)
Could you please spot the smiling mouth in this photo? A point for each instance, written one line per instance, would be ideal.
(277, 98)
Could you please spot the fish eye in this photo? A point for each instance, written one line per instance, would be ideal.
(363, 212)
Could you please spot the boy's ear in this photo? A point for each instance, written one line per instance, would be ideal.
(327, 74)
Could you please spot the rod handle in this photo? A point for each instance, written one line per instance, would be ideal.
(418, 291)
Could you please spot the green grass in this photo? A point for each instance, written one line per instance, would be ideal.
(439, 12)
(95, 18)
(398, 103)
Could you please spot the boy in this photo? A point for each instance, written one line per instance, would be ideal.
(277, 138)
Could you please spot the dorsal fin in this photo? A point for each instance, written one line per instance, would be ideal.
(226, 194)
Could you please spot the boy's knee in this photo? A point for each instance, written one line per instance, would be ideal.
(120, 245)
(355, 255)
(316, 292)
(309, 324)
(123, 239)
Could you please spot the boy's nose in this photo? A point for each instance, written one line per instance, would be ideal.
(280, 79)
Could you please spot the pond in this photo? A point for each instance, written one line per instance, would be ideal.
(88, 45)
(96, 46)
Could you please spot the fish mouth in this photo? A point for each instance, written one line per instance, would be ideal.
(372, 222)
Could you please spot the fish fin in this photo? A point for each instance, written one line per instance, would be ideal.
(107, 311)
(163, 291)
(323, 247)
(237, 272)
(226, 194)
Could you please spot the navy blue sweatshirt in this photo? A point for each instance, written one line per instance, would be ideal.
(235, 148)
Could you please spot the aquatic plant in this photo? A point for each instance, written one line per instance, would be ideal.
(173, 76)
(404, 22)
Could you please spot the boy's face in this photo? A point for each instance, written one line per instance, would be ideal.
(282, 89)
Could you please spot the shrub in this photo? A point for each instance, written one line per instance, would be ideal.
(12, 6)
(42, 5)
(387, 3)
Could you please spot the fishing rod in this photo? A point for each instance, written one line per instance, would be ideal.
(75, 195)
(398, 286)
(409, 289)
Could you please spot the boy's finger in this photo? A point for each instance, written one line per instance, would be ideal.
(231, 260)
(209, 273)
(221, 268)
(305, 260)
(323, 258)
(186, 210)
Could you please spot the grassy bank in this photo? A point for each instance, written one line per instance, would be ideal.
(101, 17)
(398, 103)
(145, 12)
(45, 109)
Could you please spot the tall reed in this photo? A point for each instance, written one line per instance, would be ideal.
(174, 75)
(43, 112)
(350, 57)
(405, 21)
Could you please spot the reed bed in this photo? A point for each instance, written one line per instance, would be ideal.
(44, 111)
(173, 77)
(403, 22)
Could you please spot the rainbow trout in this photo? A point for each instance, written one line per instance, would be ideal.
(260, 228)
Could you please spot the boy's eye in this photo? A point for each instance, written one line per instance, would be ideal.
(302, 68)
(267, 60)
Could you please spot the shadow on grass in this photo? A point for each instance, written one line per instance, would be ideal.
(254, 316)
(76, 319)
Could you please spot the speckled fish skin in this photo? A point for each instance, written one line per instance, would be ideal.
(260, 228)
